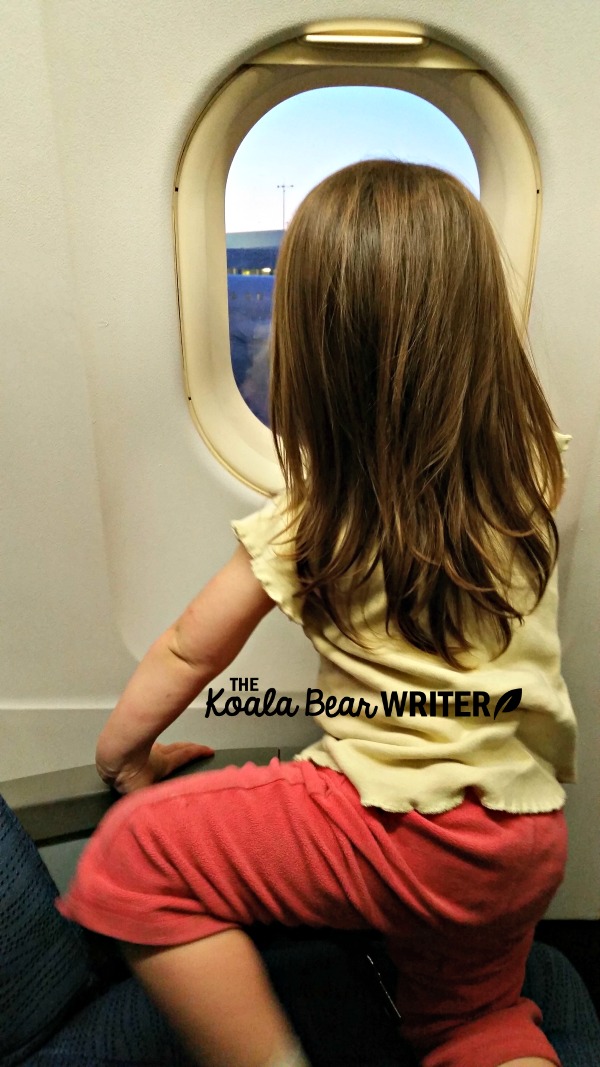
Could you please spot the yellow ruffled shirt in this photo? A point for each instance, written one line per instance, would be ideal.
(515, 761)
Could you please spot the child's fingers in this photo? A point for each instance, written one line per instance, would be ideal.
(179, 753)
(162, 761)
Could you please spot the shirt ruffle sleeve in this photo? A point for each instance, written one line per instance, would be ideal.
(563, 440)
(268, 541)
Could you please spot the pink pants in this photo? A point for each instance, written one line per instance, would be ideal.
(457, 895)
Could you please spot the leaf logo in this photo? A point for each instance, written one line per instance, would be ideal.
(509, 701)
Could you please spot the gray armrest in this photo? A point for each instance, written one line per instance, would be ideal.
(62, 803)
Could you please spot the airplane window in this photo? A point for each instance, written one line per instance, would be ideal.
(285, 120)
(290, 150)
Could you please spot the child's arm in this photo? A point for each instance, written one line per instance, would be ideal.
(201, 644)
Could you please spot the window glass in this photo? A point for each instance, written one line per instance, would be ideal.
(289, 151)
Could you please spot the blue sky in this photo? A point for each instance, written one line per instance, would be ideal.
(302, 140)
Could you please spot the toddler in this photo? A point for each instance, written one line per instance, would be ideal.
(415, 544)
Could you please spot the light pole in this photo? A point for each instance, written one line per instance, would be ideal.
(283, 189)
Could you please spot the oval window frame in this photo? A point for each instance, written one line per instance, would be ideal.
(510, 190)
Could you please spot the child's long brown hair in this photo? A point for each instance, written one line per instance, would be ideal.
(410, 426)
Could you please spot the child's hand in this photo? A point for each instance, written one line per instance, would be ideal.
(161, 761)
